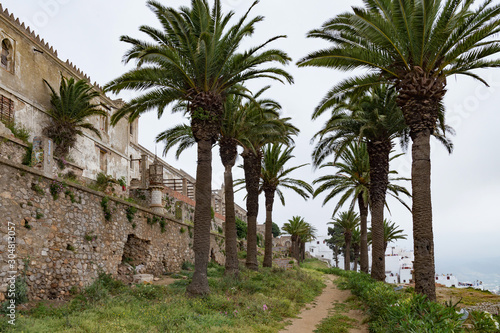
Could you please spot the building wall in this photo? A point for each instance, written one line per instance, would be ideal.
(34, 61)
(55, 236)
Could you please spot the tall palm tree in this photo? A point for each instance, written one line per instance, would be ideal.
(415, 45)
(274, 176)
(376, 119)
(194, 58)
(391, 233)
(296, 227)
(264, 128)
(348, 222)
(69, 114)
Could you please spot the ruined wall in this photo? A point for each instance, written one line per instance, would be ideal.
(67, 240)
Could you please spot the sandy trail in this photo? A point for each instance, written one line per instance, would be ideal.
(318, 309)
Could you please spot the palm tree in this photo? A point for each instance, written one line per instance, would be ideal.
(415, 45)
(295, 227)
(69, 114)
(391, 233)
(375, 119)
(274, 176)
(356, 246)
(308, 235)
(352, 179)
(348, 222)
(265, 127)
(194, 58)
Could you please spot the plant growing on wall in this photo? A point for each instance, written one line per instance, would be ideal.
(69, 114)
(56, 187)
(35, 187)
(90, 237)
(130, 212)
(105, 208)
(163, 224)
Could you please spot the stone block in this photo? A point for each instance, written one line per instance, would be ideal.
(143, 278)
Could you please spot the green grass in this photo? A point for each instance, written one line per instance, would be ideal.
(313, 263)
(257, 302)
(336, 323)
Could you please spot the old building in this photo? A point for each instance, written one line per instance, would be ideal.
(26, 61)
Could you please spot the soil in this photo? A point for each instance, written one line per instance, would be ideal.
(319, 309)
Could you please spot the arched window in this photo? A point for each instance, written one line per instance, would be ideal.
(6, 54)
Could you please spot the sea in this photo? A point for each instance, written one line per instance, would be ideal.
(486, 270)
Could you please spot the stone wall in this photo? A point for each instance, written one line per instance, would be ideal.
(67, 240)
(12, 148)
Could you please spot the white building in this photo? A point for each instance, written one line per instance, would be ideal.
(319, 249)
(398, 265)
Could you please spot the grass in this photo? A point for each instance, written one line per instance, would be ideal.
(313, 264)
(336, 323)
(406, 311)
(256, 302)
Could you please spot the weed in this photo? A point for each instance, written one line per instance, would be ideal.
(19, 131)
(71, 196)
(90, 237)
(130, 213)
(163, 224)
(28, 155)
(182, 230)
(39, 215)
(70, 247)
(105, 208)
(35, 187)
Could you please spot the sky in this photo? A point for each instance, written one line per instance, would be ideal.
(465, 184)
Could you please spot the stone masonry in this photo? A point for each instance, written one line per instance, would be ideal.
(67, 241)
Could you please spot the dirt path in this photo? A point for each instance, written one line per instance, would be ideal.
(319, 309)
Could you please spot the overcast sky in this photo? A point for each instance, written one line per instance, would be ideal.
(465, 185)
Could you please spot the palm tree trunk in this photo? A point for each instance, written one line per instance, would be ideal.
(347, 252)
(423, 240)
(252, 166)
(378, 153)
(363, 215)
(228, 152)
(268, 252)
(202, 219)
(230, 228)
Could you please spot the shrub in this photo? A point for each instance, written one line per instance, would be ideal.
(241, 229)
(398, 312)
(103, 181)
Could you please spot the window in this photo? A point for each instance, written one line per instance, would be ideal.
(131, 130)
(6, 109)
(317, 242)
(6, 55)
(131, 163)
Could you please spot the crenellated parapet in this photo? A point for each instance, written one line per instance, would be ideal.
(40, 42)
